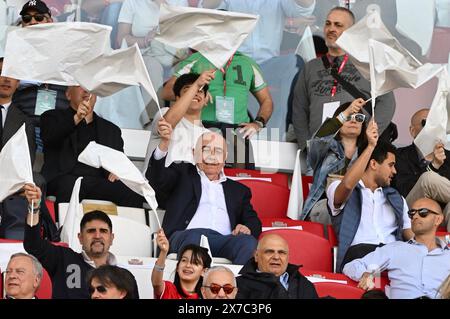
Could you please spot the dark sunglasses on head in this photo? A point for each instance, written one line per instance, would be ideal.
(215, 288)
(100, 289)
(423, 122)
(357, 117)
(423, 212)
(38, 17)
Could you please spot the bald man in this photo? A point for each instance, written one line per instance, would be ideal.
(268, 275)
(419, 176)
(201, 200)
(416, 268)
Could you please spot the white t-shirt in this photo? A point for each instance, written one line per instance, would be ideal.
(378, 222)
(184, 138)
(143, 15)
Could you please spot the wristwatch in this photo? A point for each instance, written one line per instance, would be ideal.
(260, 121)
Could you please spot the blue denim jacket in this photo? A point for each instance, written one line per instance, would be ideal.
(325, 156)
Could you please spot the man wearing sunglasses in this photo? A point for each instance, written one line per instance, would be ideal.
(366, 212)
(424, 176)
(417, 267)
(35, 12)
(219, 283)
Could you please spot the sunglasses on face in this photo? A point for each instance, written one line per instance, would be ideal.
(357, 117)
(215, 288)
(38, 17)
(423, 212)
(100, 289)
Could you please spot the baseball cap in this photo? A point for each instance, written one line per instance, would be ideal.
(37, 5)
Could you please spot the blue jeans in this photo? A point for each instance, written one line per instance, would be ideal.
(239, 249)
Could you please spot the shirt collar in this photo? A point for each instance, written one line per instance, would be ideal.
(439, 242)
(112, 260)
(364, 186)
(222, 177)
(284, 279)
(6, 106)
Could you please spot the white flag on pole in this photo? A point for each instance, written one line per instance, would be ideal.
(305, 47)
(15, 164)
(71, 226)
(296, 199)
(117, 163)
(437, 126)
(215, 34)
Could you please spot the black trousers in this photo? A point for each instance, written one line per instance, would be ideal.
(235, 143)
(359, 251)
(94, 188)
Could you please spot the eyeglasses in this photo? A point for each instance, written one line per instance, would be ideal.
(423, 212)
(215, 288)
(209, 150)
(357, 117)
(423, 122)
(38, 17)
(100, 289)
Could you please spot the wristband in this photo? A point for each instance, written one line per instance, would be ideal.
(159, 268)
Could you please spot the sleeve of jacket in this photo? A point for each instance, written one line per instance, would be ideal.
(300, 110)
(56, 126)
(48, 254)
(406, 178)
(444, 170)
(384, 110)
(249, 216)
(31, 137)
(162, 179)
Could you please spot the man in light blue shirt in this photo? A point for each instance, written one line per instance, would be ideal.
(415, 268)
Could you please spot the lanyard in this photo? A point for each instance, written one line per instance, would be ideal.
(224, 72)
(343, 63)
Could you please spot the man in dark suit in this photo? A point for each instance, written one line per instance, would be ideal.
(200, 200)
(65, 134)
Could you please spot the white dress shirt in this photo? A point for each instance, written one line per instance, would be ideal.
(378, 223)
(4, 111)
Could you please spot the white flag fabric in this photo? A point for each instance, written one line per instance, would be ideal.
(305, 47)
(15, 164)
(296, 199)
(71, 226)
(97, 155)
(215, 34)
(438, 123)
(110, 73)
(205, 244)
(50, 52)
(380, 57)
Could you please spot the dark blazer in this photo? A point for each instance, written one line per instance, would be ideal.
(59, 135)
(409, 168)
(178, 189)
(253, 284)
(15, 118)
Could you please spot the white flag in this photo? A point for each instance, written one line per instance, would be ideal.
(438, 123)
(215, 34)
(305, 47)
(117, 163)
(15, 164)
(71, 226)
(205, 244)
(51, 52)
(296, 199)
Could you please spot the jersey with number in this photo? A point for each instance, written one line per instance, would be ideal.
(242, 76)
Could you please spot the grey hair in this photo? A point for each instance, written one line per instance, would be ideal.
(218, 268)
(37, 267)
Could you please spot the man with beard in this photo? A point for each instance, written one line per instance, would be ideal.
(67, 268)
(366, 212)
(416, 268)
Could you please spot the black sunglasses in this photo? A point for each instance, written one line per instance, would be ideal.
(38, 17)
(100, 289)
(215, 288)
(423, 212)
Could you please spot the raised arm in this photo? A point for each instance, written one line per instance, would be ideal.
(158, 269)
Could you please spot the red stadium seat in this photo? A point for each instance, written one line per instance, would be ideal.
(306, 249)
(268, 200)
(311, 227)
(45, 289)
(332, 238)
(277, 178)
(338, 291)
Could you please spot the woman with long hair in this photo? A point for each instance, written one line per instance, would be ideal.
(332, 150)
(193, 261)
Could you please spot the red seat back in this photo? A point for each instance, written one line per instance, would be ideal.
(277, 178)
(268, 200)
(311, 227)
(337, 290)
(45, 289)
(309, 250)
(332, 238)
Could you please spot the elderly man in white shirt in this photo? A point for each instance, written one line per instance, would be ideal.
(416, 268)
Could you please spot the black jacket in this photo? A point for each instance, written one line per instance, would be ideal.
(263, 285)
(178, 189)
(59, 135)
(409, 168)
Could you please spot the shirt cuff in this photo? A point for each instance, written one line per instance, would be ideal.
(158, 154)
